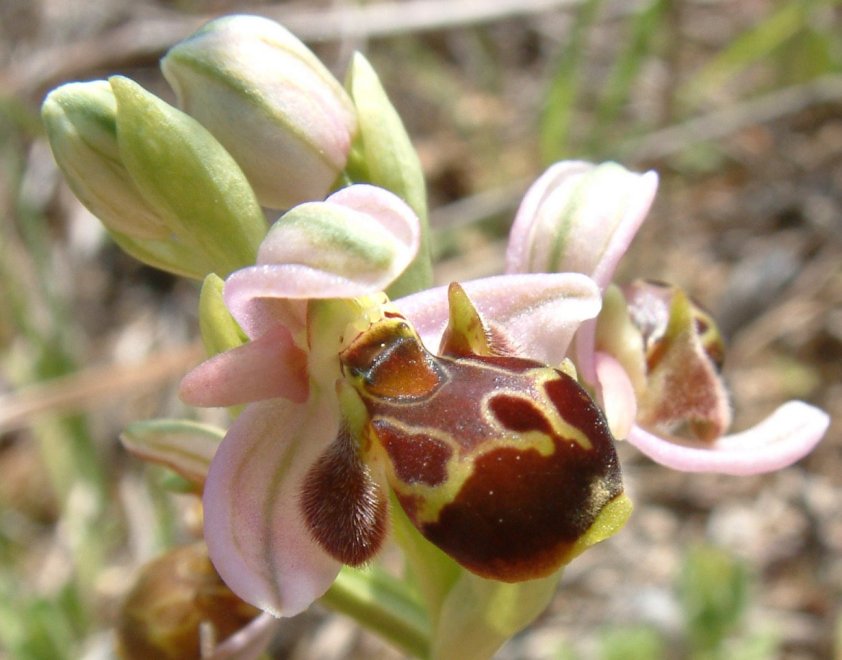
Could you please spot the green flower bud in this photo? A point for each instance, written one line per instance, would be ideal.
(273, 105)
(81, 124)
(189, 178)
(167, 192)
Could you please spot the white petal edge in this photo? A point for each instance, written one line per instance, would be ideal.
(617, 395)
(256, 537)
(539, 311)
(784, 437)
(249, 642)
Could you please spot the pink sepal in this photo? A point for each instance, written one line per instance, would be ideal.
(787, 435)
(270, 366)
(538, 312)
(255, 533)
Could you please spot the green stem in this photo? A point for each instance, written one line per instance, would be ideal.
(384, 605)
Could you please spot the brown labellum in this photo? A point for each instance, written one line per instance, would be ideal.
(504, 463)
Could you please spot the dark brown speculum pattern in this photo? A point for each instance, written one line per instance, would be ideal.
(502, 462)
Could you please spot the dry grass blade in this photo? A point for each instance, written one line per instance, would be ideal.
(146, 37)
(91, 388)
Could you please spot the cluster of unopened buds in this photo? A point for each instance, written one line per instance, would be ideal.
(473, 426)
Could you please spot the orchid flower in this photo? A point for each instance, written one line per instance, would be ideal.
(346, 403)
(354, 244)
(653, 355)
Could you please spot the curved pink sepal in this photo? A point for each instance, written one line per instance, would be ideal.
(249, 642)
(539, 312)
(519, 245)
(256, 536)
(271, 366)
(617, 394)
(594, 211)
(784, 437)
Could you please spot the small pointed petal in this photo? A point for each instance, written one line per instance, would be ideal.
(345, 509)
(256, 535)
(269, 367)
(539, 312)
(784, 437)
(466, 332)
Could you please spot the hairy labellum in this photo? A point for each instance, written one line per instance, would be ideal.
(504, 463)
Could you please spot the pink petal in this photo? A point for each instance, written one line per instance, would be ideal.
(253, 296)
(269, 367)
(640, 202)
(390, 211)
(250, 642)
(256, 536)
(520, 235)
(579, 217)
(617, 395)
(297, 261)
(539, 312)
(784, 437)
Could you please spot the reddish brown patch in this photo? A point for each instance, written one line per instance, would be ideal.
(345, 510)
(416, 458)
(577, 408)
(519, 514)
(518, 414)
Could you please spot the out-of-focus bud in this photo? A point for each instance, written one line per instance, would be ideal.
(267, 98)
(81, 124)
(179, 608)
(165, 189)
(579, 217)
